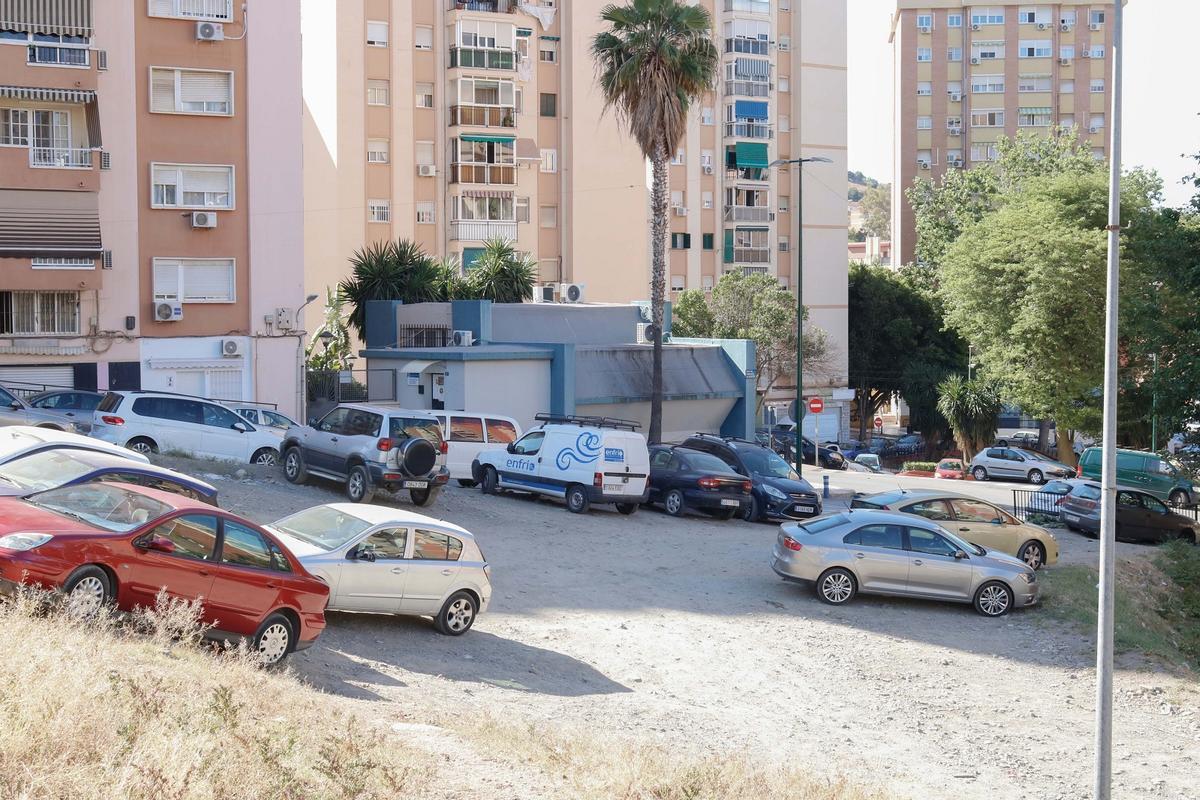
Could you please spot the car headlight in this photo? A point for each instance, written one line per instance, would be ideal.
(773, 492)
(1028, 577)
(24, 541)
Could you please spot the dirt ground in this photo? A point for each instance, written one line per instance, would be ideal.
(676, 631)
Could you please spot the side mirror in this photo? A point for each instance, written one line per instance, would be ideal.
(15, 405)
(998, 521)
(960, 554)
(240, 427)
(512, 448)
(159, 544)
(362, 554)
(312, 422)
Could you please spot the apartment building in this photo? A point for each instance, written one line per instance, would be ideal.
(965, 75)
(150, 197)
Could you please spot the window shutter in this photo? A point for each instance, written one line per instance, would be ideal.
(166, 175)
(195, 180)
(204, 87)
(208, 280)
(101, 60)
(422, 37)
(105, 159)
(162, 90)
(166, 279)
(162, 8)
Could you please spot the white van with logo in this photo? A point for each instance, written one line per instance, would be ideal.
(584, 460)
(467, 433)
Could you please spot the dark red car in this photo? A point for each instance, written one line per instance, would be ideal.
(118, 542)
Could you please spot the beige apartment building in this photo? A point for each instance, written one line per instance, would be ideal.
(150, 197)
(965, 75)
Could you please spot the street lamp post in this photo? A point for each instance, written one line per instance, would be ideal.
(799, 281)
(301, 394)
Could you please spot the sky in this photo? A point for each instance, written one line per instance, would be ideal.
(1161, 118)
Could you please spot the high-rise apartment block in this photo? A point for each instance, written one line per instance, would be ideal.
(966, 75)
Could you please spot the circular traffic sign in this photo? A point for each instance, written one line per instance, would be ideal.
(816, 405)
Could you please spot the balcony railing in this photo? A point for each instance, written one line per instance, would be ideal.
(220, 10)
(482, 58)
(747, 213)
(481, 230)
(748, 271)
(748, 88)
(751, 255)
(494, 174)
(60, 157)
(483, 116)
(497, 6)
(749, 130)
(53, 54)
(756, 174)
(753, 6)
(738, 44)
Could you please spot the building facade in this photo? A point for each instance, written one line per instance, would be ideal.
(150, 197)
(966, 75)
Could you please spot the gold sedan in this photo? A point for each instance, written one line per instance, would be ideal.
(976, 521)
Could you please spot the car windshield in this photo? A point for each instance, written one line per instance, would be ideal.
(416, 428)
(322, 526)
(763, 462)
(104, 505)
(44, 470)
(705, 461)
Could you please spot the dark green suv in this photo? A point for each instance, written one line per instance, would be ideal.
(1137, 469)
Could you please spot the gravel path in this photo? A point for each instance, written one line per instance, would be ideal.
(677, 631)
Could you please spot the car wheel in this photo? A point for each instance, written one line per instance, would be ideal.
(1036, 477)
(836, 586)
(140, 444)
(358, 485)
(993, 599)
(265, 457)
(1179, 498)
(293, 466)
(627, 508)
(87, 590)
(466, 483)
(1189, 536)
(273, 641)
(577, 499)
(422, 497)
(979, 473)
(674, 503)
(751, 512)
(490, 481)
(457, 615)
(1002, 443)
(1033, 554)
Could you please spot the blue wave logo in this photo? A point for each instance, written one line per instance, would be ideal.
(585, 451)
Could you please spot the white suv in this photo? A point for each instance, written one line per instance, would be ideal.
(150, 422)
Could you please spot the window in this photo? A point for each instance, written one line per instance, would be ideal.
(928, 542)
(377, 34)
(1066, 87)
(194, 536)
(1033, 83)
(466, 429)
(487, 35)
(188, 91)
(63, 50)
(1097, 51)
(987, 51)
(377, 151)
(954, 20)
(548, 216)
(195, 280)
(924, 123)
(706, 115)
(1096, 86)
(954, 87)
(387, 544)
(924, 20)
(425, 215)
(785, 44)
(430, 546)
(987, 119)
(549, 160)
(784, 243)
(930, 509)
(379, 211)
(500, 431)
(954, 54)
(924, 54)
(1067, 17)
(1033, 117)
(983, 152)
(423, 37)
(522, 209)
(423, 152)
(424, 95)
(924, 157)
(953, 122)
(220, 417)
(1066, 121)
(987, 16)
(216, 10)
(784, 203)
(679, 157)
(529, 444)
(1066, 51)
(677, 199)
(245, 547)
(38, 313)
(681, 241)
(1035, 48)
(987, 84)
(378, 93)
(706, 199)
(785, 124)
(966, 510)
(1098, 153)
(1096, 18)
(547, 51)
(14, 126)
(1027, 16)
(53, 262)
(707, 242)
(548, 105)
(191, 186)
(785, 83)
(678, 283)
(888, 537)
(1096, 122)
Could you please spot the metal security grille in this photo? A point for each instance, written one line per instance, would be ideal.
(39, 313)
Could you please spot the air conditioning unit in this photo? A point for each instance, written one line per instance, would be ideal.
(1042, 26)
(1094, 129)
(975, 26)
(646, 332)
(975, 60)
(545, 294)
(645, 313)
(680, 211)
(210, 32)
(1064, 62)
(1095, 26)
(708, 170)
(232, 348)
(168, 310)
(924, 164)
(427, 170)
(1086, 54)
(924, 29)
(956, 97)
(955, 162)
(571, 292)
(204, 219)
(956, 131)
(463, 338)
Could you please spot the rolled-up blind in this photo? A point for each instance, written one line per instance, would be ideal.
(162, 90)
(206, 180)
(208, 280)
(204, 87)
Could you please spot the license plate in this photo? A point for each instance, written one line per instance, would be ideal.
(415, 484)
(805, 509)
(1071, 518)
(613, 487)
(730, 503)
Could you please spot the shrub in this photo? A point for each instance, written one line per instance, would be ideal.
(920, 466)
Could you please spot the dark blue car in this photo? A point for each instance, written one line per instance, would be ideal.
(682, 480)
(777, 492)
(50, 469)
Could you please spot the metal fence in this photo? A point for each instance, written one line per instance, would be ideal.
(1033, 506)
(327, 388)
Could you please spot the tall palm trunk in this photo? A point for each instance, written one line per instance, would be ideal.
(658, 281)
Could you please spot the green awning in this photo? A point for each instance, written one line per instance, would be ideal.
(549, 38)
(477, 137)
(752, 154)
(524, 32)
(1035, 110)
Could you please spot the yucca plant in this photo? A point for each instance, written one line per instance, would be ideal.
(972, 407)
(502, 275)
(398, 270)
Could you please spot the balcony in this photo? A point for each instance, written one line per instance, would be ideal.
(482, 58)
(490, 174)
(749, 130)
(754, 174)
(748, 271)
(494, 6)
(215, 10)
(56, 55)
(482, 230)
(49, 168)
(747, 213)
(483, 116)
(751, 6)
(751, 255)
(748, 88)
(740, 44)
(60, 158)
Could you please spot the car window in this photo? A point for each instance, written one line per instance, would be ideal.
(360, 423)
(194, 535)
(275, 419)
(1087, 492)
(767, 463)
(1131, 461)
(426, 428)
(889, 537)
(660, 459)
(6, 398)
(387, 544)
(244, 547)
(466, 429)
(218, 417)
(996, 452)
(153, 482)
(930, 509)
(248, 414)
(322, 526)
(50, 401)
(501, 431)
(431, 546)
(110, 402)
(705, 461)
(279, 561)
(923, 541)
(966, 510)
(333, 421)
(530, 443)
(1154, 504)
(1129, 500)
(181, 410)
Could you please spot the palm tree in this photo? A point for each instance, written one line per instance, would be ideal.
(972, 407)
(501, 275)
(397, 270)
(655, 60)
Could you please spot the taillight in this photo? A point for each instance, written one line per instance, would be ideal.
(598, 480)
(383, 445)
(112, 420)
(1079, 470)
(792, 544)
(445, 447)
(708, 483)
(747, 486)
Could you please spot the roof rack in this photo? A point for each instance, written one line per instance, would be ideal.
(719, 437)
(597, 422)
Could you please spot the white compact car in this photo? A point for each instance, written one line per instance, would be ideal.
(584, 460)
(21, 440)
(467, 434)
(151, 422)
(387, 561)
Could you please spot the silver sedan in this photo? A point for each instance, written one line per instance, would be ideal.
(882, 552)
(388, 561)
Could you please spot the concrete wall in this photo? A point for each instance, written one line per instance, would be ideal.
(526, 388)
(535, 322)
(681, 418)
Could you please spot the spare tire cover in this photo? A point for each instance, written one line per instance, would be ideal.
(416, 456)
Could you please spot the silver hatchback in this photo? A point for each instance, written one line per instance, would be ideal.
(882, 552)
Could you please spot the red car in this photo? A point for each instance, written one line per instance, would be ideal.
(99, 542)
(951, 468)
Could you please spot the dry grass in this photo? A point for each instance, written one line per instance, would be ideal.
(93, 708)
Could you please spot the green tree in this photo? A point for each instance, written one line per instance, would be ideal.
(691, 316)
(330, 346)
(972, 408)
(877, 211)
(654, 61)
(501, 275)
(398, 270)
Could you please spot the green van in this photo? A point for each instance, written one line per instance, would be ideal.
(1141, 470)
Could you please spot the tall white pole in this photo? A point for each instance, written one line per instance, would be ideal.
(1108, 475)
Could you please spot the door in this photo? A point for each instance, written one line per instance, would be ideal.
(11, 410)
(1160, 477)
(433, 569)
(465, 442)
(933, 570)
(220, 439)
(1131, 516)
(521, 468)
(983, 524)
(374, 573)
(175, 424)
(187, 573)
(248, 580)
(880, 560)
(438, 394)
(1131, 470)
(1159, 527)
(663, 464)
(320, 445)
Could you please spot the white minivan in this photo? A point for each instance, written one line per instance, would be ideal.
(467, 433)
(584, 460)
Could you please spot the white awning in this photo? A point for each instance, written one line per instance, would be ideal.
(416, 366)
(196, 363)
